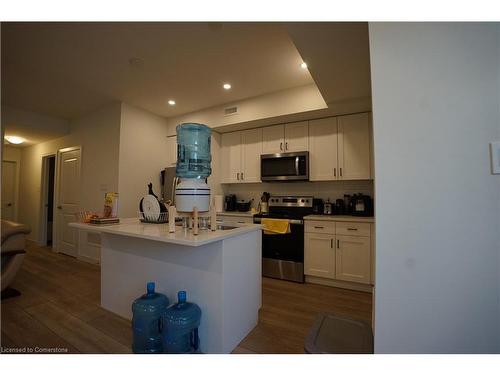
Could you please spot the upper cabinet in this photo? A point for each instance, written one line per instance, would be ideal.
(240, 156)
(354, 147)
(171, 151)
(340, 148)
(285, 138)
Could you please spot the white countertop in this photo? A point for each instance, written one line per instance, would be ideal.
(159, 232)
(359, 219)
(236, 213)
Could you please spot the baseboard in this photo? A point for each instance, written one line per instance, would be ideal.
(86, 259)
(339, 284)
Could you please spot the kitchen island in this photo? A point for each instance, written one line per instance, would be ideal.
(220, 270)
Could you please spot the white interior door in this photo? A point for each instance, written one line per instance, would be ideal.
(68, 199)
(9, 190)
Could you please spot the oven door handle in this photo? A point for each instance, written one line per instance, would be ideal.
(257, 220)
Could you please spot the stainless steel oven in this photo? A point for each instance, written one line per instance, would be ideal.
(283, 254)
(289, 166)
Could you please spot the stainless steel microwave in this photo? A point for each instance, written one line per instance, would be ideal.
(290, 166)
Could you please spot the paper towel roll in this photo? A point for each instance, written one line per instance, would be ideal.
(219, 203)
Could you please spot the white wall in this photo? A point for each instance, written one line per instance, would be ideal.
(143, 154)
(435, 109)
(98, 134)
(280, 103)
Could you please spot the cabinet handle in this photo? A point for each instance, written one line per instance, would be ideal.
(338, 244)
(352, 228)
(238, 176)
(286, 145)
(340, 171)
(334, 172)
(318, 227)
(242, 175)
(331, 243)
(281, 146)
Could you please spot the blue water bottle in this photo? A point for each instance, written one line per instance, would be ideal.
(146, 321)
(180, 327)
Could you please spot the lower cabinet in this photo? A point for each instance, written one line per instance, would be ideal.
(335, 255)
(352, 259)
(319, 255)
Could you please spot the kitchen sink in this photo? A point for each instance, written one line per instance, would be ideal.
(225, 227)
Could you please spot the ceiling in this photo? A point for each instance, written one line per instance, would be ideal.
(68, 69)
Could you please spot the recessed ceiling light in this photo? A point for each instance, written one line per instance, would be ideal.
(226, 86)
(303, 65)
(14, 139)
(171, 102)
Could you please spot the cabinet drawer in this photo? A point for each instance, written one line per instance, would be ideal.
(235, 219)
(353, 229)
(312, 226)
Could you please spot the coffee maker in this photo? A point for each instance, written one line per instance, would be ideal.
(230, 202)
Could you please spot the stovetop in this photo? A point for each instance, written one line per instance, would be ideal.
(288, 207)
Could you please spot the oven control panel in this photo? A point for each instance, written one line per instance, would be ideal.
(290, 201)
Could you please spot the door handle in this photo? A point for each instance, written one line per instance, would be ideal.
(59, 207)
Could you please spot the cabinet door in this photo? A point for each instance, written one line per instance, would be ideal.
(251, 143)
(352, 259)
(230, 157)
(297, 136)
(273, 139)
(319, 255)
(171, 151)
(323, 149)
(354, 147)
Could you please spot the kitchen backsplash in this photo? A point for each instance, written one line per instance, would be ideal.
(323, 189)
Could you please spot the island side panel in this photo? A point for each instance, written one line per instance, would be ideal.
(242, 274)
(128, 263)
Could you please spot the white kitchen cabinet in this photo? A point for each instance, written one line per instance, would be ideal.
(240, 156)
(319, 255)
(230, 157)
(273, 139)
(251, 143)
(354, 147)
(292, 137)
(323, 149)
(297, 136)
(340, 148)
(171, 151)
(353, 259)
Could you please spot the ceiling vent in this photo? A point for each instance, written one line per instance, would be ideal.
(229, 111)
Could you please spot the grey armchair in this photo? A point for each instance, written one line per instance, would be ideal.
(13, 253)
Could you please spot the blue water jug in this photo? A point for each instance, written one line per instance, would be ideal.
(180, 326)
(193, 151)
(146, 321)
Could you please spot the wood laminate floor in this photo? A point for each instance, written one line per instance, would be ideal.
(59, 309)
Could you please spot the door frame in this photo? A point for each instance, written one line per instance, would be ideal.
(55, 231)
(42, 231)
(16, 185)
